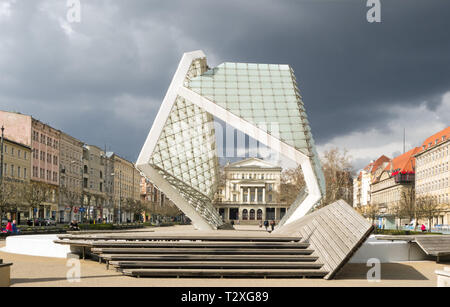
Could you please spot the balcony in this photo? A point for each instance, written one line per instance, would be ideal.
(404, 178)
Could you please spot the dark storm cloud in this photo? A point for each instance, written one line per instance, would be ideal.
(104, 81)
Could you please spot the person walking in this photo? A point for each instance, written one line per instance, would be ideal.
(9, 228)
(272, 224)
(266, 224)
(423, 228)
(14, 227)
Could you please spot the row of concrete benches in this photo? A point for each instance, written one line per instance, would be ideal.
(201, 255)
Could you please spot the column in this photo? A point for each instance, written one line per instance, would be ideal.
(264, 195)
(242, 196)
(248, 195)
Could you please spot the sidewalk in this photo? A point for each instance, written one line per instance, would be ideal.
(51, 272)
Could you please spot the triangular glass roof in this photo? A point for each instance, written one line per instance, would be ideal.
(263, 94)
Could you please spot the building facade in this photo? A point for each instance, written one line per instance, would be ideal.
(44, 163)
(71, 176)
(126, 185)
(362, 184)
(94, 193)
(390, 184)
(250, 192)
(433, 174)
(16, 172)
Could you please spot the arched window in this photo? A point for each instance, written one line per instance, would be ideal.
(259, 215)
(252, 214)
(245, 214)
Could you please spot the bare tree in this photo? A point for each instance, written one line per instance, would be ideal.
(369, 211)
(35, 194)
(408, 204)
(396, 211)
(7, 196)
(338, 172)
(428, 208)
(71, 197)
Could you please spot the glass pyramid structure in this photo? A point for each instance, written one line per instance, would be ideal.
(262, 100)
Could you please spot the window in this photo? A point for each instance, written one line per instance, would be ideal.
(12, 170)
(18, 171)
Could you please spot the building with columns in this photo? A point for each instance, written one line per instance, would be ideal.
(250, 192)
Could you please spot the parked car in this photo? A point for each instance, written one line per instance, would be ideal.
(50, 222)
(39, 222)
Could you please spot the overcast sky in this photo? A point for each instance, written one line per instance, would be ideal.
(102, 80)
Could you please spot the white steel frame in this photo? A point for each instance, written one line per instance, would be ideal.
(176, 89)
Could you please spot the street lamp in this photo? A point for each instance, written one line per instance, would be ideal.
(120, 195)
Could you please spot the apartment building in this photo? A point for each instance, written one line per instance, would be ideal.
(94, 167)
(71, 175)
(389, 183)
(126, 184)
(44, 163)
(16, 170)
(362, 183)
(433, 174)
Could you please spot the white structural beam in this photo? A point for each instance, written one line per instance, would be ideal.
(314, 194)
(166, 106)
(197, 220)
(177, 88)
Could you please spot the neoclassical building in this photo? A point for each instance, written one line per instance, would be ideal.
(250, 192)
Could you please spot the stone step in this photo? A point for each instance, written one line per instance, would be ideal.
(224, 273)
(207, 258)
(216, 264)
(180, 237)
(203, 251)
(171, 244)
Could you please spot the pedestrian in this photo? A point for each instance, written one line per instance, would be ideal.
(260, 224)
(266, 224)
(272, 224)
(14, 227)
(423, 228)
(9, 228)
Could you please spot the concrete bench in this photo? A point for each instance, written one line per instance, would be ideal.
(5, 274)
(203, 251)
(443, 277)
(216, 264)
(262, 273)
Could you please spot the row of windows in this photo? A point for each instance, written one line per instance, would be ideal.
(43, 156)
(46, 140)
(252, 176)
(14, 171)
(19, 153)
(434, 155)
(433, 186)
(45, 174)
(435, 170)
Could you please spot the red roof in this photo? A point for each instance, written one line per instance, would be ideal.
(435, 139)
(373, 166)
(405, 162)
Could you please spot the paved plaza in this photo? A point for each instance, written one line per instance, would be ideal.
(29, 271)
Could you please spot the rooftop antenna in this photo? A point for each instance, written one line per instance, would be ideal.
(404, 139)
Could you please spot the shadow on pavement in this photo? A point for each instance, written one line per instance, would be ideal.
(389, 271)
(15, 281)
